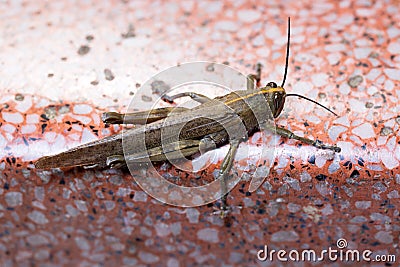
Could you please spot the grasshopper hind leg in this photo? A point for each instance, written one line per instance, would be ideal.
(140, 117)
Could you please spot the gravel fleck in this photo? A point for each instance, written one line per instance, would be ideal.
(293, 207)
(42, 254)
(393, 194)
(376, 216)
(38, 217)
(110, 205)
(379, 186)
(208, 234)
(140, 196)
(393, 74)
(363, 204)
(364, 131)
(128, 261)
(148, 257)
(71, 210)
(305, 177)
(82, 243)
(81, 205)
(82, 109)
(12, 117)
(13, 199)
(162, 229)
(192, 215)
(384, 237)
(284, 236)
(358, 219)
(37, 240)
(294, 183)
(39, 193)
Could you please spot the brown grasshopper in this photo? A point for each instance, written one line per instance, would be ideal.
(198, 133)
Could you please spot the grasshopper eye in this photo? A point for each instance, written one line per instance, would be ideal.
(272, 85)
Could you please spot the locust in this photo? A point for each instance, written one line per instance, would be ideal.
(201, 129)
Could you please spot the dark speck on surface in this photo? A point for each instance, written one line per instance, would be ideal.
(83, 50)
(130, 33)
(159, 87)
(355, 174)
(311, 159)
(109, 75)
(321, 177)
(44, 125)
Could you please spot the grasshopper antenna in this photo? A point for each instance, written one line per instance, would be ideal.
(315, 102)
(286, 68)
(287, 53)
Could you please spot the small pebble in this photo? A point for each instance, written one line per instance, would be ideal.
(386, 131)
(19, 97)
(50, 112)
(146, 98)
(369, 105)
(109, 75)
(210, 67)
(355, 81)
(64, 110)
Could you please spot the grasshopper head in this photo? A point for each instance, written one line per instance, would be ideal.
(275, 96)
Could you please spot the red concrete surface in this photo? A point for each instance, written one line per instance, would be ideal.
(63, 64)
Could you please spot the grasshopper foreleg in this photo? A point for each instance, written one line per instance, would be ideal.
(140, 117)
(195, 96)
(318, 144)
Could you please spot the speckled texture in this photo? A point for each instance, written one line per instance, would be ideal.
(63, 64)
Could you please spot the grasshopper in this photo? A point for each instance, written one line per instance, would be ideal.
(198, 133)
